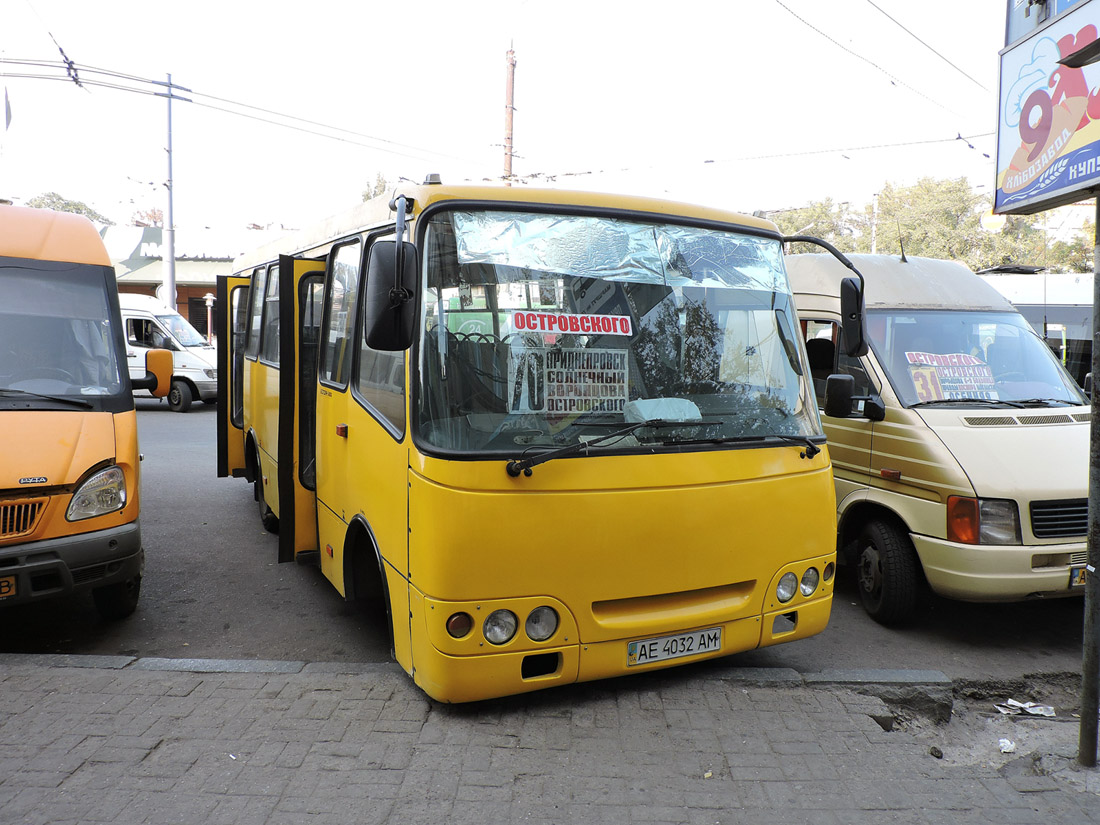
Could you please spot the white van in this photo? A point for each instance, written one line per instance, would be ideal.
(149, 324)
(960, 445)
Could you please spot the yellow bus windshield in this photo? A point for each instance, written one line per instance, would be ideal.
(540, 331)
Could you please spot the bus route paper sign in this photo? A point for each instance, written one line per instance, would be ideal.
(567, 382)
(952, 376)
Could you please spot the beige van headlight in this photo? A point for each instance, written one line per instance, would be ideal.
(103, 493)
(982, 520)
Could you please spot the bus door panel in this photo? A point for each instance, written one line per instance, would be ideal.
(231, 328)
(301, 280)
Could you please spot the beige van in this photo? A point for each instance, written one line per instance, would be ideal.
(959, 443)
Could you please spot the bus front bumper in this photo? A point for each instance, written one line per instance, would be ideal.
(57, 567)
(470, 678)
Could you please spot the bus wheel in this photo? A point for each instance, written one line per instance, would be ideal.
(117, 601)
(179, 397)
(268, 519)
(888, 572)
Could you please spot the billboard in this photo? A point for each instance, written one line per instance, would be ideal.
(1048, 132)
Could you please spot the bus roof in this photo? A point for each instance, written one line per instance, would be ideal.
(376, 212)
(45, 235)
(916, 283)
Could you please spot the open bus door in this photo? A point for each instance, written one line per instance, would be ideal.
(231, 328)
(300, 325)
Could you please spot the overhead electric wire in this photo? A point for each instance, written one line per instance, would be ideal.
(893, 79)
(778, 156)
(415, 152)
(936, 53)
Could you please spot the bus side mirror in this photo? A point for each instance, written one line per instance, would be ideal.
(158, 373)
(1088, 384)
(851, 317)
(839, 391)
(389, 305)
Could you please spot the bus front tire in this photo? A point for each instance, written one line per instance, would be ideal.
(179, 397)
(888, 573)
(117, 601)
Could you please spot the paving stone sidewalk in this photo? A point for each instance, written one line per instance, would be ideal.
(114, 740)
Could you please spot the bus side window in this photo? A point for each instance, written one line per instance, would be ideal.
(340, 299)
(270, 346)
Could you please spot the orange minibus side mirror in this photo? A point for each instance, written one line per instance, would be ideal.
(158, 373)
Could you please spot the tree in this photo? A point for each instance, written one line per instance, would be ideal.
(835, 223)
(381, 187)
(52, 200)
(148, 217)
(938, 219)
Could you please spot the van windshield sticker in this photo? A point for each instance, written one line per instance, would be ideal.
(950, 376)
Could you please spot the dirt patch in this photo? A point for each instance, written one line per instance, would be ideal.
(1029, 750)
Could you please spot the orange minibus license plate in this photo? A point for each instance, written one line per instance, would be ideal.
(7, 586)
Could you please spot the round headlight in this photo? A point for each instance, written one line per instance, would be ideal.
(810, 580)
(786, 588)
(830, 568)
(542, 623)
(459, 624)
(500, 626)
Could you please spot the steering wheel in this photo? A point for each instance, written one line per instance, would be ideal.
(48, 372)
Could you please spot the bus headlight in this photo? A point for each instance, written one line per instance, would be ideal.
(786, 588)
(500, 626)
(104, 492)
(542, 623)
(810, 580)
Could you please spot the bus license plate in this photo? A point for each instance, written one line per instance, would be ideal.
(7, 586)
(644, 651)
(1078, 576)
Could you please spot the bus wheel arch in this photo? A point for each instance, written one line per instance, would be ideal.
(365, 576)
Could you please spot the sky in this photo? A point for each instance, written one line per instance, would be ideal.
(742, 104)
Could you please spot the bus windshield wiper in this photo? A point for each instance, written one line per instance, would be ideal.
(812, 447)
(60, 399)
(988, 402)
(518, 466)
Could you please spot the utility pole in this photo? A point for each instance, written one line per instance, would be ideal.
(509, 108)
(874, 223)
(1090, 656)
(168, 257)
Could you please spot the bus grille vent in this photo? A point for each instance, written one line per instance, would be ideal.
(1060, 519)
(990, 421)
(1082, 417)
(18, 518)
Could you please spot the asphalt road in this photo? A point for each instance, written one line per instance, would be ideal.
(213, 589)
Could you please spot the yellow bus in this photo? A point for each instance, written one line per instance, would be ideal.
(557, 436)
(69, 476)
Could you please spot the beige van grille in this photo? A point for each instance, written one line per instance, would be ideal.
(1066, 518)
(991, 421)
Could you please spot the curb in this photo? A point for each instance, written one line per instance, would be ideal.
(751, 675)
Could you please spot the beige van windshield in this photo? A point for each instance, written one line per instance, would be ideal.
(933, 357)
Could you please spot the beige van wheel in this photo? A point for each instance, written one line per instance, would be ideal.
(888, 572)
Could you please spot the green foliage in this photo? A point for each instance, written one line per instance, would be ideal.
(52, 200)
(381, 187)
(938, 219)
